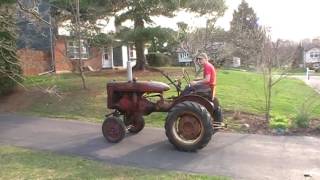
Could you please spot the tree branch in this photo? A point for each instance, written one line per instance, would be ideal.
(32, 12)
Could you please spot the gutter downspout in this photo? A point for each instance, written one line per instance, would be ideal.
(52, 64)
(52, 47)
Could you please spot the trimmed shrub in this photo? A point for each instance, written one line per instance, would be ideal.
(158, 59)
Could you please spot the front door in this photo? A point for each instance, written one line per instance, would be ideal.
(117, 56)
(107, 58)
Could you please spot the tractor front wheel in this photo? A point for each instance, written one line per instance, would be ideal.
(137, 125)
(188, 126)
(113, 129)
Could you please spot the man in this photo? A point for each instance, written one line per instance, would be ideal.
(206, 86)
(208, 82)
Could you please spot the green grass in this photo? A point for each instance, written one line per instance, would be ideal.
(243, 91)
(237, 90)
(19, 163)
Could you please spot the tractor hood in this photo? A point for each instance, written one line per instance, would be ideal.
(138, 86)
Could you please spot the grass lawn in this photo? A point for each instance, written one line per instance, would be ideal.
(18, 163)
(237, 91)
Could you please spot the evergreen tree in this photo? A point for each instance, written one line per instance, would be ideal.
(140, 13)
(10, 71)
(246, 34)
(298, 56)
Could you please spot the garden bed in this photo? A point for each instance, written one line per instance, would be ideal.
(254, 124)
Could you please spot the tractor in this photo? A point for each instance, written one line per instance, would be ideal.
(192, 117)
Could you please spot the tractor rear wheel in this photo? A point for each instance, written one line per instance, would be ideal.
(188, 126)
(113, 129)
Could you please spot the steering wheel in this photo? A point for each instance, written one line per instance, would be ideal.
(186, 76)
(175, 83)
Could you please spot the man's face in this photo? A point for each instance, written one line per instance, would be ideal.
(201, 61)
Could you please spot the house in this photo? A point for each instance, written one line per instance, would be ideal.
(66, 55)
(311, 57)
(116, 56)
(184, 57)
(39, 52)
(62, 56)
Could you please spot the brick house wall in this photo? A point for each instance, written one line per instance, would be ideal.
(62, 62)
(65, 64)
(34, 62)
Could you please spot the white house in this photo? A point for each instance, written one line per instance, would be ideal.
(312, 57)
(184, 57)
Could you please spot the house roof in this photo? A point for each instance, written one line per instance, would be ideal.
(180, 50)
(311, 46)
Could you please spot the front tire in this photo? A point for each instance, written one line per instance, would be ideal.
(113, 129)
(188, 126)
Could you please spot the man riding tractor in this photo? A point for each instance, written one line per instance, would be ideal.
(193, 116)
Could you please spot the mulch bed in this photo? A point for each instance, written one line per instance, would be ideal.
(255, 124)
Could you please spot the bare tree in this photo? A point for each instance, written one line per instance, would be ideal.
(78, 34)
(270, 56)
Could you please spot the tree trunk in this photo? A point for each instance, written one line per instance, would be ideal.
(268, 108)
(80, 62)
(141, 59)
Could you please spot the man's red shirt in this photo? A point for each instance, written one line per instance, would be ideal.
(208, 69)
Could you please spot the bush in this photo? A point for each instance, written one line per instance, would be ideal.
(158, 59)
(279, 122)
(303, 116)
(302, 120)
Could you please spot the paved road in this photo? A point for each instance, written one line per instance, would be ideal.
(239, 156)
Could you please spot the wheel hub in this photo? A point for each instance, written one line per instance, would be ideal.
(113, 129)
(189, 127)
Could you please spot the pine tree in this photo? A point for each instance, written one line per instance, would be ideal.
(140, 13)
(246, 34)
(10, 71)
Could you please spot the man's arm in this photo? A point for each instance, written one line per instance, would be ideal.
(203, 81)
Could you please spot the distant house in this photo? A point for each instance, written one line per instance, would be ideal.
(312, 57)
(184, 57)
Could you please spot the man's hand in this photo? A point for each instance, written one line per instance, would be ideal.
(192, 83)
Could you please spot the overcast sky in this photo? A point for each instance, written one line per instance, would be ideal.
(288, 19)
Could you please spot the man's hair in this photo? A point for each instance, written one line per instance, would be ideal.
(203, 56)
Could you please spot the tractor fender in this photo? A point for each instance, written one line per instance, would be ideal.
(198, 99)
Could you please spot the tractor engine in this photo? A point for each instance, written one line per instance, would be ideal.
(128, 98)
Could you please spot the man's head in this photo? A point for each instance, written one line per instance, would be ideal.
(202, 58)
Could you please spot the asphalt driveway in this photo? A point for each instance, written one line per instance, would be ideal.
(240, 156)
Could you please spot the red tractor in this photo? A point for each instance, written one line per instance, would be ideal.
(192, 118)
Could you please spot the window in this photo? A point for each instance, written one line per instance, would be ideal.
(315, 54)
(106, 54)
(73, 49)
